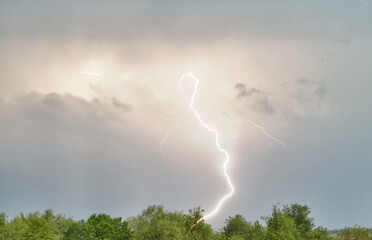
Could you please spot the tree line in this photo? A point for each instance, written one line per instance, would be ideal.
(290, 222)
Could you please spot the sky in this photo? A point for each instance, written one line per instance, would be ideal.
(89, 90)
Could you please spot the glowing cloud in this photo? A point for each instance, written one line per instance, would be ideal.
(91, 74)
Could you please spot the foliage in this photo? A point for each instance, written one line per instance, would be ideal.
(291, 222)
(75, 231)
(156, 223)
(238, 228)
(300, 215)
(280, 226)
(318, 233)
(354, 233)
(34, 226)
(99, 227)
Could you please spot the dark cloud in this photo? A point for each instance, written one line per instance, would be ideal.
(79, 157)
(317, 87)
(117, 103)
(65, 107)
(320, 90)
(256, 98)
(305, 81)
(244, 92)
(118, 19)
(345, 41)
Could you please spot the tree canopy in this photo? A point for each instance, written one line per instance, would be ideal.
(291, 222)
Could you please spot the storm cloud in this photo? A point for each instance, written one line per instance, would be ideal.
(255, 98)
(61, 150)
(80, 144)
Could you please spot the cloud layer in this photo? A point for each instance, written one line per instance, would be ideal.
(83, 143)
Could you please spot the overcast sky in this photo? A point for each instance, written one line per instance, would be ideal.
(83, 83)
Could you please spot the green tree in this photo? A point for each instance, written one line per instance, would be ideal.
(236, 226)
(258, 231)
(237, 237)
(40, 227)
(354, 233)
(3, 226)
(199, 231)
(318, 233)
(281, 227)
(16, 229)
(300, 215)
(75, 231)
(99, 227)
(102, 226)
(34, 226)
(3, 220)
(219, 236)
(156, 223)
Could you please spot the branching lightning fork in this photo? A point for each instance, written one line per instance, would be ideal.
(167, 135)
(217, 141)
(170, 130)
(263, 131)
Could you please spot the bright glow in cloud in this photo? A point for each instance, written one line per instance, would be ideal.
(92, 74)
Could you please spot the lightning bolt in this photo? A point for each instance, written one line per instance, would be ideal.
(167, 135)
(170, 130)
(217, 142)
(263, 131)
